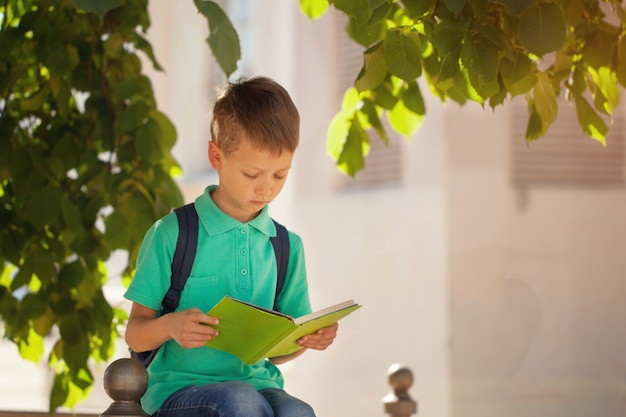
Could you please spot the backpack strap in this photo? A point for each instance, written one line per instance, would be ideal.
(280, 242)
(183, 255)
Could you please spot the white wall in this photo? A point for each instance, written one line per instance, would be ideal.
(538, 293)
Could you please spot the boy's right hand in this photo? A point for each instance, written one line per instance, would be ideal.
(191, 328)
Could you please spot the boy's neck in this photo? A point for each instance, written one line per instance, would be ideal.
(221, 202)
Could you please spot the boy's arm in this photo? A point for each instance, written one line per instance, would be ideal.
(145, 331)
(319, 340)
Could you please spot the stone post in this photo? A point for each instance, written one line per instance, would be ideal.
(125, 381)
(398, 403)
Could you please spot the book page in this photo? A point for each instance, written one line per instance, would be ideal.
(289, 343)
(324, 311)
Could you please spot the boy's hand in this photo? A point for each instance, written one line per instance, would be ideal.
(321, 339)
(191, 328)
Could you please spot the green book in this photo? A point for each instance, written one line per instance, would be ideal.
(251, 332)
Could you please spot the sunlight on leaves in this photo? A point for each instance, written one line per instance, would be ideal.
(314, 8)
(403, 120)
(590, 121)
(31, 349)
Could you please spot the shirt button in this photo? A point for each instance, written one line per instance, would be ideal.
(244, 271)
(243, 231)
(243, 251)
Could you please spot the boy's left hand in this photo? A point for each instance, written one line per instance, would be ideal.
(321, 339)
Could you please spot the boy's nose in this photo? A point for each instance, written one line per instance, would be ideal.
(264, 190)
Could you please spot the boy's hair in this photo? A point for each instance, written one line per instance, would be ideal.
(258, 109)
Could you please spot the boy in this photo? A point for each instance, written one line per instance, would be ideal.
(254, 134)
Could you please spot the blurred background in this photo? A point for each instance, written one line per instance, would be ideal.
(492, 268)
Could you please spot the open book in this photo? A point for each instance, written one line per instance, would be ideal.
(252, 333)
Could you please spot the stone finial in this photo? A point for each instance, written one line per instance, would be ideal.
(125, 381)
(398, 403)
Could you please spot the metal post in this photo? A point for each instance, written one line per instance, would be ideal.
(125, 381)
(398, 403)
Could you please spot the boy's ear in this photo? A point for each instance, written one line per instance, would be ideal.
(215, 155)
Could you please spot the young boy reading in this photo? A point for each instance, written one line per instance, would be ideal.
(254, 134)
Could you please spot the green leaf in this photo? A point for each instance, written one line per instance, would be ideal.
(480, 7)
(384, 95)
(99, 7)
(374, 69)
(133, 117)
(455, 6)
(166, 127)
(72, 218)
(403, 53)
(545, 100)
(462, 89)
(34, 101)
(148, 142)
(481, 61)
(31, 349)
(403, 120)
(372, 114)
(596, 46)
(418, 8)
(59, 391)
(515, 7)
(44, 207)
(591, 123)
(535, 127)
(413, 100)
(606, 97)
(144, 45)
(223, 38)
(366, 35)
(518, 77)
(314, 8)
(72, 331)
(447, 37)
(351, 159)
(71, 274)
(337, 134)
(44, 265)
(379, 11)
(498, 98)
(358, 10)
(33, 306)
(542, 28)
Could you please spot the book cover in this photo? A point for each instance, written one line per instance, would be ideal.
(252, 333)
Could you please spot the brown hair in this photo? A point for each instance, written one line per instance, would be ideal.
(258, 109)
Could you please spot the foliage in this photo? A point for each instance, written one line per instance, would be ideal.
(85, 168)
(481, 51)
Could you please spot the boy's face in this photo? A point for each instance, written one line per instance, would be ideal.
(250, 178)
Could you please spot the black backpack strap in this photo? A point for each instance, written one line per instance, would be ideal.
(183, 256)
(280, 242)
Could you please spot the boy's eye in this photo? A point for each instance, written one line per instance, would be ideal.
(280, 177)
(250, 175)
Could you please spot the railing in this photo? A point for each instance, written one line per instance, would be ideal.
(126, 380)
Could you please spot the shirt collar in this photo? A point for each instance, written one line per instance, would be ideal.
(215, 221)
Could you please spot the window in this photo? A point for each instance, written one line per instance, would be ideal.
(565, 155)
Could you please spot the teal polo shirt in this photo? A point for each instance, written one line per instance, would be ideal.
(233, 258)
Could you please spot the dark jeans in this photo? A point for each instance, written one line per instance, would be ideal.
(232, 399)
